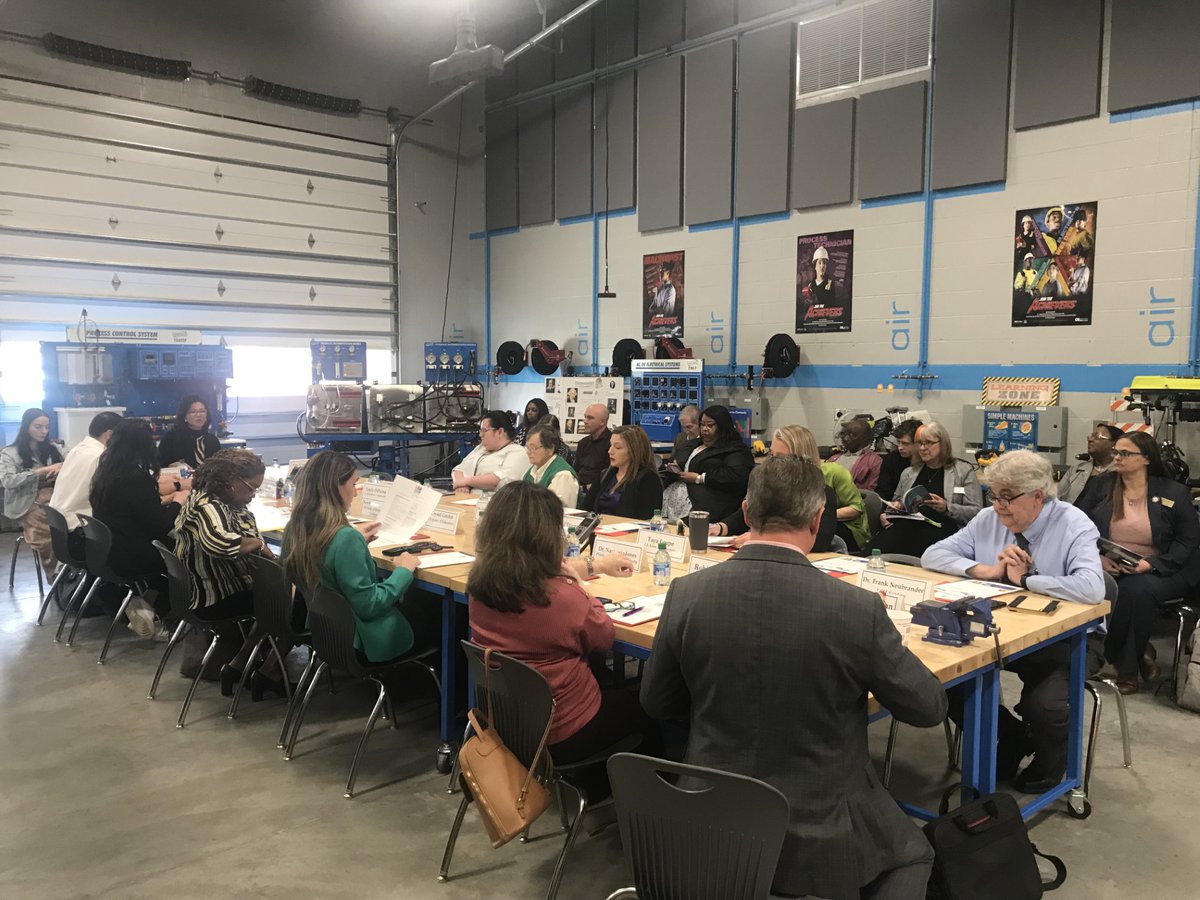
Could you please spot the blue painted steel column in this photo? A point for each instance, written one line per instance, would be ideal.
(596, 288)
(927, 247)
(487, 299)
(1194, 338)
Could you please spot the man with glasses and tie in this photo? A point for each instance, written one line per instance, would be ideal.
(1041, 544)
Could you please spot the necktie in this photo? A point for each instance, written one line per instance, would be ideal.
(1023, 543)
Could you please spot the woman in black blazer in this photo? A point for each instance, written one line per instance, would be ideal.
(1138, 507)
(630, 485)
(714, 467)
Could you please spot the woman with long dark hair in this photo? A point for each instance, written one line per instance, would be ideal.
(1137, 506)
(524, 602)
(189, 440)
(28, 468)
(709, 473)
(535, 411)
(630, 486)
(320, 546)
(125, 497)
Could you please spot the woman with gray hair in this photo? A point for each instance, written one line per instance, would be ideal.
(954, 497)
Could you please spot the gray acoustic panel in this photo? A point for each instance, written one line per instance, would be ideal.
(764, 119)
(535, 68)
(823, 155)
(616, 101)
(576, 55)
(706, 16)
(660, 24)
(501, 170)
(1152, 53)
(749, 10)
(503, 86)
(616, 31)
(660, 144)
(708, 134)
(535, 161)
(1073, 90)
(970, 92)
(889, 144)
(573, 152)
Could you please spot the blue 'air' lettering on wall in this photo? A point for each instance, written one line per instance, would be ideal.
(1161, 331)
(716, 331)
(900, 320)
(584, 343)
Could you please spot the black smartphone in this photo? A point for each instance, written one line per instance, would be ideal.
(998, 604)
(1017, 601)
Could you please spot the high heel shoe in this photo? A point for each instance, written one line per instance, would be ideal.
(259, 683)
(229, 679)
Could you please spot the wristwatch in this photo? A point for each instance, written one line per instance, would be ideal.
(1024, 579)
(591, 565)
(700, 478)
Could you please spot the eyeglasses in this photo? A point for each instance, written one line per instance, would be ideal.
(1099, 437)
(253, 489)
(1005, 502)
(932, 443)
(618, 605)
(483, 429)
(1125, 454)
(708, 426)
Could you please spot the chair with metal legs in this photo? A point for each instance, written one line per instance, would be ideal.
(953, 748)
(717, 829)
(179, 588)
(1186, 611)
(523, 703)
(333, 629)
(37, 566)
(70, 565)
(97, 543)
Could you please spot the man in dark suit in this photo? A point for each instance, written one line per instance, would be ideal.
(772, 661)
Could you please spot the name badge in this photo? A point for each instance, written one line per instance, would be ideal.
(677, 544)
(696, 563)
(960, 490)
(443, 521)
(632, 552)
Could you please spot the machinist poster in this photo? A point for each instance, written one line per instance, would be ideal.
(662, 295)
(824, 282)
(1054, 265)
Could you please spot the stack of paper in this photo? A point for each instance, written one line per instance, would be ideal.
(646, 608)
(401, 507)
(841, 565)
(447, 558)
(970, 587)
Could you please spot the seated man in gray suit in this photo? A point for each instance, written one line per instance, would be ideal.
(772, 661)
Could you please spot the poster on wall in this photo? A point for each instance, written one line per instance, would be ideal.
(824, 282)
(569, 398)
(662, 295)
(1054, 265)
(1005, 430)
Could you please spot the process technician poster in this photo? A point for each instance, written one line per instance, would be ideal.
(824, 282)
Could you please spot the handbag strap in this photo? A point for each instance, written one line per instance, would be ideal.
(944, 804)
(1060, 869)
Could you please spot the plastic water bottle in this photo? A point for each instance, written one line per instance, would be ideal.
(289, 491)
(656, 521)
(662, 566)
(876, 562)
(279, 489)
(184, 473)
(572, 543)
(481, 507)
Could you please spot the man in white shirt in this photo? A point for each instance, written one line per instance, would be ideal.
(74, 483)
(497, 460)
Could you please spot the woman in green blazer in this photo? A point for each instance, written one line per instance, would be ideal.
(320, 546)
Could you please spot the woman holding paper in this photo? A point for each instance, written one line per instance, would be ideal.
(1137, 506)
(320, 546)
(525, 603)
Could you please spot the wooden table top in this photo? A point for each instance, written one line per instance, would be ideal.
(1018, 631)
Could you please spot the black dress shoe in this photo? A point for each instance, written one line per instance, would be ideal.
(229, 679)
(260, 683)
(1009, 753)
(1037, 780)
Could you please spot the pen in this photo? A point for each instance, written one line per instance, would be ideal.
(630, 612)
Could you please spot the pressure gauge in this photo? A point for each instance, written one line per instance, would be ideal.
(430, 358)
(458, 359)
(444, 359)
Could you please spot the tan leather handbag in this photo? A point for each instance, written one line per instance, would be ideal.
(509, 796)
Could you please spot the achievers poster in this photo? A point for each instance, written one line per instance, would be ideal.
(662, 294)
(1054, 265)
(824, 282)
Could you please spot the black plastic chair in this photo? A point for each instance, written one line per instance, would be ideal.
(37, 566)
(179, 587)
(901, 559)
(273, 614)
(97, 542)
(333, 629)
(711, 834)
(523, 703)
(873, 504)
(70, 564)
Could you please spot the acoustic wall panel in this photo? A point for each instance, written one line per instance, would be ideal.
(708, 134)
(536, 68)
(616, 31)
(823, 155)
(660, 24)
(535, 161)
(764, 119)
(706, 16)
(613, 184)
(1069, 87)
(973, 44)
(890, 141)
(573, 152)
(749, 10)
(660, 144)
(576, 55)
(1152, 53)
(504, 85)
(501, 169)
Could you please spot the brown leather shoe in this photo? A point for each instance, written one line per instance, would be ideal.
(1127, 685)
(1149, 668)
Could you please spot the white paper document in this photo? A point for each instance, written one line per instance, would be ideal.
(970, 587)
(846, 565)
(617, 528)
(646, 608)
(405, 511)
(269, 517)
(473, 501)
(447, 558)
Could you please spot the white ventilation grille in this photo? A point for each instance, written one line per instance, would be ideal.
(874, 40)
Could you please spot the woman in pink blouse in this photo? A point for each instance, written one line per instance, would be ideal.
(524, 603)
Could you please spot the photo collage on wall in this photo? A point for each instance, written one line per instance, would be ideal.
(824, 282)
(662, 295)
(567, 398)
(1054, 265)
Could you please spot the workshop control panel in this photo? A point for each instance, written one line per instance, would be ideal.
(450, 361)
(338, 361)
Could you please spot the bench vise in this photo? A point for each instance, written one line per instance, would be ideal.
(955, 623)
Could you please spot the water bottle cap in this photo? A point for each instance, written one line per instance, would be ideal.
(876, 552)
(571, 530)
(662, 545)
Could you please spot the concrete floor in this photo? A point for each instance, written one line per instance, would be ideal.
(101, 796)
